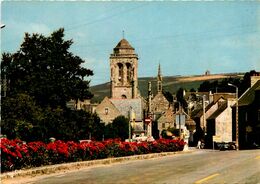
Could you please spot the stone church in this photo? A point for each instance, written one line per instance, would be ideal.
(125, 99)
(123, 75)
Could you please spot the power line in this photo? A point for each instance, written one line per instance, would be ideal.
(196, 34)
(122, 12)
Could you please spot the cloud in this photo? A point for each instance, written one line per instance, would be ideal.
(12, 36)
(38, 28)
(32, 27)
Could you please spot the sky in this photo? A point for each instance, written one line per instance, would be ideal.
(185, 37)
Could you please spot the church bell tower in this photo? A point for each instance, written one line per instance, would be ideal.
(123, 68)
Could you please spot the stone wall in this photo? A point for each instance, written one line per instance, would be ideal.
(159, 104)
(208, 113)
(107, 111)
(224, 123)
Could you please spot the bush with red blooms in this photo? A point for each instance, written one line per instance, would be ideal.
(16, 154)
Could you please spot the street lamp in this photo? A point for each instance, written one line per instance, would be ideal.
(179, 119)
(129, 125)
(204, 118)
(237, 129)
(179, 112)
(2, 26)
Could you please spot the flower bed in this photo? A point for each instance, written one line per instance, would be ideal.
(16, 154)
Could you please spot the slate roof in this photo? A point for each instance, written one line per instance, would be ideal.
(167, 117)
(123, 105)
(218, 111)
(257, 88)
(249, 95)
(198, 113)
(123, 44)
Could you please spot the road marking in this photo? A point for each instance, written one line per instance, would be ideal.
(207, 178)
(258, 157)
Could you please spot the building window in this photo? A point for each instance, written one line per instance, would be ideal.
(120, 72)
(129, 70)
(106, 111)
(163, 125)
(246, 116)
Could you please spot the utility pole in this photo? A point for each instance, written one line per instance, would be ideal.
(204, 118)
(237, 125)
(149, 126)
(129, 127)
(179, 119)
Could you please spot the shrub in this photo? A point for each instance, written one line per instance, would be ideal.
(16, 154)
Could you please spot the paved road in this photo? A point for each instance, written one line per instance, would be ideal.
(198, 167)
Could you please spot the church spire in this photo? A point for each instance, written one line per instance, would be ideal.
(159, 80)
(159, 76)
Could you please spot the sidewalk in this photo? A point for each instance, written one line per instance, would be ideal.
(51, 169)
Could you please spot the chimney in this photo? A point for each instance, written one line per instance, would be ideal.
(211, 98)
(231, 102)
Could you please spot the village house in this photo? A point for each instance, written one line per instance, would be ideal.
(219, 123)
(249, 116)
(212, 115)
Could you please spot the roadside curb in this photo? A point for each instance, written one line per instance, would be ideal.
(51, 169)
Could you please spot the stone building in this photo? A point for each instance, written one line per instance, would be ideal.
(220, 122)
(159, 103)
(160, 108)
(123, 74)
(167, 120)
(107, 111)
(249, 116)
(214, 113)
(124, 97)
(215, 101)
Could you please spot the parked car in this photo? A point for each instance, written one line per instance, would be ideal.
(226, 146)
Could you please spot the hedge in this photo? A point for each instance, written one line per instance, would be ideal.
(16, 154)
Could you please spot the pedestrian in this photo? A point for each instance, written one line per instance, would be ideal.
(199, 144)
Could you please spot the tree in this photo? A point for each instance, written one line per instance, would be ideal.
(44, 68)
(246, 82)
(168, 96)
(192, 90)
(119, 128)
(83, 125)
(42, 76)
(19, 115)
(181, 99)
(222, 86)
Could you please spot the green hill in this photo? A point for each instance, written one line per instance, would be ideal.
(170, 83)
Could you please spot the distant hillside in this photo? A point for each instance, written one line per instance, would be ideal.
(170, 83)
